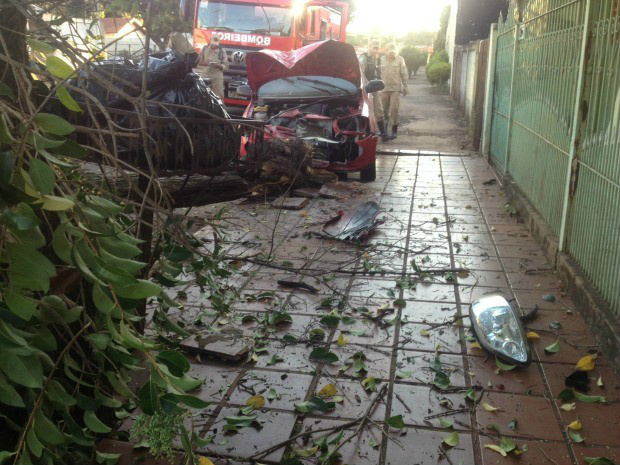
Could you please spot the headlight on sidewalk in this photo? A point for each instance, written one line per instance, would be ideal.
(499, 330)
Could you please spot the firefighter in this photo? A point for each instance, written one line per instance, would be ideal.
(395, 76)
(369, 60)
(213, 62)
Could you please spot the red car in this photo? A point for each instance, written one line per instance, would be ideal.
(318, 94)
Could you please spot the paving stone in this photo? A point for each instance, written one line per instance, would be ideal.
(482, 371)
(423, 447)
(443, 339)
(414, 367)
(291, 388)
(538, 453)
(356, 401)
(290, 203)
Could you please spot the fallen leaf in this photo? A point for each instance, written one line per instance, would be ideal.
(445, 423)
(585, 364)
(451, 440)
(575, 425)
(303, 214)
(553, 348)
(549, 298)
(425, 333)
(568, 407)
(576, 437)
(476, 345)
(329, 390)
(256, 402)
(306, 452)
(600, 382)
(533, 335)
(496, 448)
(204, 461)
(489, 407)
(396, 422)
(342, 341)
(503, 366)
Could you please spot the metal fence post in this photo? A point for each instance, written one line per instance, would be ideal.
(575, 139)
(515, 51)
(489, 92)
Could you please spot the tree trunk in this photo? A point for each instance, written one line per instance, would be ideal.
(13, 31)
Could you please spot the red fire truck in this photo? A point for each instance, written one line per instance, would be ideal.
(249, 25)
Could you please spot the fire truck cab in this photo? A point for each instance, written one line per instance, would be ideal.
(249, 25)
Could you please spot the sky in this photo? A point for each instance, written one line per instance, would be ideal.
(396, 16)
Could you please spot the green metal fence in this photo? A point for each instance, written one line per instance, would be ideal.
(555, 125)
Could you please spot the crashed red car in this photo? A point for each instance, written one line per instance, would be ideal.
(317, 94)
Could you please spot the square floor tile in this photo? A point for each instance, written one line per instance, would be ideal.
(424, 447)
(291, 388)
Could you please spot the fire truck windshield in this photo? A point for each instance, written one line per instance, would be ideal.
(245, 18)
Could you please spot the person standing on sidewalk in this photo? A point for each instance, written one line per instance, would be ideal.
(213, 63)
(395, 77)
(369, 61)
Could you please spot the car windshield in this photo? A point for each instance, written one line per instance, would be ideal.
(245, 18)
(306, 87)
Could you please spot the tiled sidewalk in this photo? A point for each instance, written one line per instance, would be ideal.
(440, 214)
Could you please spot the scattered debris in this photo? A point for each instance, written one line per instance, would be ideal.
(490, 182)
(338, 190)
(290, 203)
(298, 285)
(226, 346)
(354, 225)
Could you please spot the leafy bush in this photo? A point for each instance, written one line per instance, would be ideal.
(438, 73)
(414, 58)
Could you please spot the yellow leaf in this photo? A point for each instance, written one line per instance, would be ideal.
(476, 345)
(497, 449)
(568, 407)
(328, 390)
(365, 256)
(303, 214)
(585, 364)
(204, 461)
(256, 401)
(489, 407)
(425, 333)
(575, 425)
(533, 335)
(342, 341)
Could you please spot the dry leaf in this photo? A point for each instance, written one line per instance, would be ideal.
(256, 401)
(204, 461)
(600, 382)
(575, 425)
(328, 390)
(303, 214)
(585, 364)
(533, 335)
(476, 345)
(497, 449)
(489, 407)
(568, 407)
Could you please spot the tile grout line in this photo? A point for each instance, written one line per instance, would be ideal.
(475, 437)
(395, 347)
(547, 389)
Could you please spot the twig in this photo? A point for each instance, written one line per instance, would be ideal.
(403, 402)
(447, 414)
(443, 454)
(546, 456)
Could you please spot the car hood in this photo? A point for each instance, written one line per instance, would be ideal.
(327, 58)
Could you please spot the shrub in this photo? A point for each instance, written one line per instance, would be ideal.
(438, 72)
(414, 59)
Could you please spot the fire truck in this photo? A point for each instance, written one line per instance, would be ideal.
(248, 25)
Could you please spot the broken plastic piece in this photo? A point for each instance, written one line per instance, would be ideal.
(354, 225)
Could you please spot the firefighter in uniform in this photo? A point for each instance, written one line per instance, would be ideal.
(213, 62)
(369, 61)
(395, 76)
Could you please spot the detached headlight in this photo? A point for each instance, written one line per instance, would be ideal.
(499, 330)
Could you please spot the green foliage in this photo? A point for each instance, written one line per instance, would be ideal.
(414, 59)
(158, 432)
(439, 73)
(440, 39)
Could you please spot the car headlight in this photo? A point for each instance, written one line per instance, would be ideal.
(499, 330)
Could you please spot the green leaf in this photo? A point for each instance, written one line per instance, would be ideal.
(21, 218)
(29, 268)
(5, 91)
(503, 366)
(442, 380)
(321, 354)
(445, 423)
(315, 404)
(53, 124)
(576, 436)
(472, 395)
(26, 371)
(549, 298)
(46, 431)
(316, 334)
(400, 303)
(106, 458)
(57, 394)
(141, 289)
(42, 176)
(34, 444)
(451, 440)
(566, 395)
(598, 461)
(7, 163)
(65, 98)
(396, 422)
(507, 444)
(5, 133)
(589, 399)
(58, 67)
(23, 307)
(54, 203)
(330, 321)
(70, 149)
(553, 348)
(39, 46)
(94, 424)
(175, 361)
(148, 398)
(8, 394)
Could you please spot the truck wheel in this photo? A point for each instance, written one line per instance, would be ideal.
(369, 174)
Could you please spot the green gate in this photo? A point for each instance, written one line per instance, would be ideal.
(555, 124)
